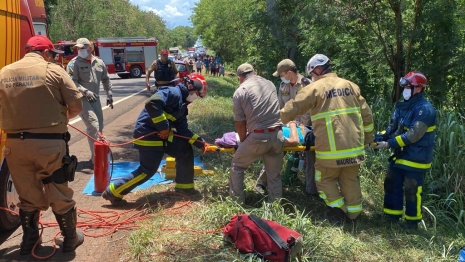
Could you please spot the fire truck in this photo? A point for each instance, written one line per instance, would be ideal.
(69, 51)
(19, 20)
(127, 56)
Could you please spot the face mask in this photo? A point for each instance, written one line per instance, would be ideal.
(285, 81)
(407, 93)
(82, 53)
(192, 98)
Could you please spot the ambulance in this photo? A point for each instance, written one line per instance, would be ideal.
(19, 21)
(127, 56)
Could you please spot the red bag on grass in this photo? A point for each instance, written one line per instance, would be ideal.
(267, 239)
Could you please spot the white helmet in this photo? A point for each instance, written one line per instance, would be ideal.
(316, 60)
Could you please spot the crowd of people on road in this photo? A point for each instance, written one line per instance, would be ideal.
(341, 120)
(211, 65)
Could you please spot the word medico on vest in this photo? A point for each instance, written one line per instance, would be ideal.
(18, 81)
(335, 92)
(350, 161)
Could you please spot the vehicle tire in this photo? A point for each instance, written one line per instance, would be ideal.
(124, 75)
(136, 71)
(8, 199)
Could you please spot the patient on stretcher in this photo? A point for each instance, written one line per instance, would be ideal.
(293, 136)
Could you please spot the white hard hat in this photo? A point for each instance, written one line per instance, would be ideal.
(316, 60)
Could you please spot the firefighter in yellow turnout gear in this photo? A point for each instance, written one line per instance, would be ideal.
(343, 124)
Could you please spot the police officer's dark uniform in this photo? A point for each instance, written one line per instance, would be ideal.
(165, 71)
(37, 98)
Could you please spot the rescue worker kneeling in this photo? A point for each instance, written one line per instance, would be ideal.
(164, 111)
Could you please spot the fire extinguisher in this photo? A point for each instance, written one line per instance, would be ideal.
(102, 156)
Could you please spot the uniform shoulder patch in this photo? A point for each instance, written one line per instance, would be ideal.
(305, 81)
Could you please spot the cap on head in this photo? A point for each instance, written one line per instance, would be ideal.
(315, 61)
(164, 52)
(414, 78)
(244, 68)
(81, 42)
(283, 66)
(40, 43)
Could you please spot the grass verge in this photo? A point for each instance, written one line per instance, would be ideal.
(192, 233)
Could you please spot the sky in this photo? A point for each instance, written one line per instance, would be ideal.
(174, 12)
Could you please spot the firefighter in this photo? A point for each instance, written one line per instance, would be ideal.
(343, 123)
(38, 99)
(88, 72)
(165, 112)
(411, 136)
(165, 71)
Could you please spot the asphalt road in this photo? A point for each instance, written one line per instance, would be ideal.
(129, 96)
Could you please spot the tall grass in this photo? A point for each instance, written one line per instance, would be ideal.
(369, 240)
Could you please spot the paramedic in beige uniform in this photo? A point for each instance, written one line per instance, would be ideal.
(88, 72)
(38, 98)
(256, 111)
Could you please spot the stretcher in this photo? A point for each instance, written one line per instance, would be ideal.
(213, 148)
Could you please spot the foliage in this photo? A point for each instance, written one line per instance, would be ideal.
(372, 43)
(181, 36)
(92, 19)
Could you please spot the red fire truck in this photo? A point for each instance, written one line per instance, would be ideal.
(127, 56)
(69, 51)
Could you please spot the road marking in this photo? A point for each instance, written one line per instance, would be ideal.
(77, 119)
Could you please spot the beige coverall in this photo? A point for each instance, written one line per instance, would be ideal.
(255, 101)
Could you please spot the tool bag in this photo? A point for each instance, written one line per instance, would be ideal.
(267, 239)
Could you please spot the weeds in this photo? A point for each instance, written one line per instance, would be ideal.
(439, 239)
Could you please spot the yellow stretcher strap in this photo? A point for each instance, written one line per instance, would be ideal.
(212, 148)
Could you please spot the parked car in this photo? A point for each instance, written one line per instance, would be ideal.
(182, 68)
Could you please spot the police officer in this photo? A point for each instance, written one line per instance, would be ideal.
(256, 111)
(343, 124)
(88, 72)
(291, 83)
(38, 98)
(411, 136)
(165, 111)
(165, 71)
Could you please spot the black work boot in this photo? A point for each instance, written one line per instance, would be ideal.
(30, 225)
(335, 215)
(71, 238)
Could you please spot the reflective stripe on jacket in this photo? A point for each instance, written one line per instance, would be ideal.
(165, 109)
(413, 120)
(341, 119)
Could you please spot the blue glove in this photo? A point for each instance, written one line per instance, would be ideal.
(381, 137)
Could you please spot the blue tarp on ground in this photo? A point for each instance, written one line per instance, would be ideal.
(121, 169)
